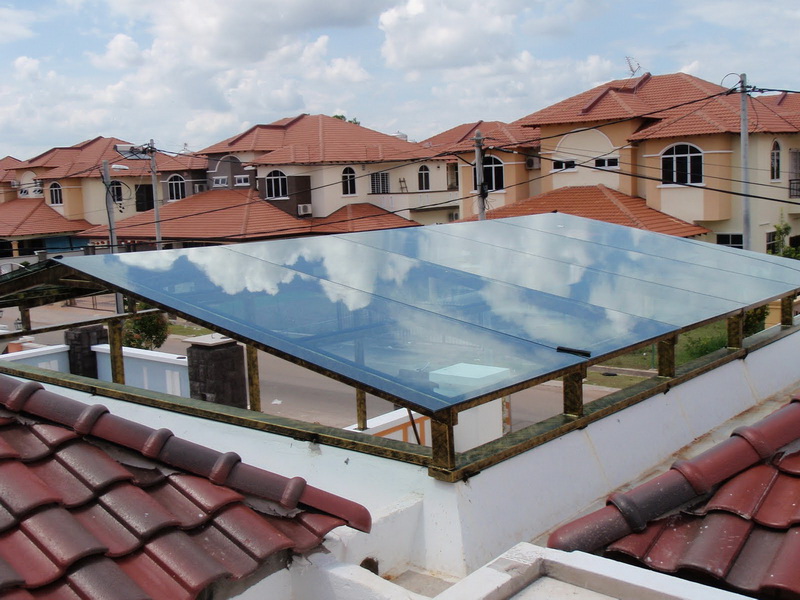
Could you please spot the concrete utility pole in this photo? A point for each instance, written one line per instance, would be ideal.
(154, 180)
(112, 233)
(744, 134)
(479, 184)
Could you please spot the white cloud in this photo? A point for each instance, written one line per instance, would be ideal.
(26, 68)
(122, 52)
(15, 24)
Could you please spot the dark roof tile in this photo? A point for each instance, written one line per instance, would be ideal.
(92, 466)
(98, 516)
(176, 553)
(140, 512)
(21, 491)
(108, 529)
(102, 578)
(743, 529)
(61, 536)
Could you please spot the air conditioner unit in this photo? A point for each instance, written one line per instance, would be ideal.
(303, 210)
(200, 187)
(533, 162)
(15, 183)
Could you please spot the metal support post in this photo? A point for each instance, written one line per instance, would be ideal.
(253, 380)
(666, 356)
(736, 331)
(112, 233)
(115, 342)
(787, 311)
(156, 204)
(444, 449)
(361, 409)
(744, 134)
(573, 392)
(480, 187)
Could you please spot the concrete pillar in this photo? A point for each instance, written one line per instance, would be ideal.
(217, 370)
(82, 361)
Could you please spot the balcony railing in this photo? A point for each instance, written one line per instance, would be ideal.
(794, 188)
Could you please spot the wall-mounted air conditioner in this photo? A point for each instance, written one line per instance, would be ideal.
(15, 183)
(303, 210)
(200, 187)
(533, 162)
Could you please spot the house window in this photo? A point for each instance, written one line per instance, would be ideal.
(682, 164)
(424, 178)
(115, 189)
(379, 183)
(606, 163)
(775, 161)
(176, 187)
(772, 242)
(241, 180)
(562, 165)
(348, 181)
(733, 240)
(452, 176)
(55, 194)
(492, 174)
(276, 185)
(144, 198)
(220, 181)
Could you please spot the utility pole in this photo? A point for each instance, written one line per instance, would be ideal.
(744, 134)
(154, 180)
(112, 233)
(479, 184)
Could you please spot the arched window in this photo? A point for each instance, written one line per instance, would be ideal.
(424, 177)
(681, 164)
(775, 161)
(348, 181)
(276, 185)
(492, 174)
(115, 189)
(176, 186)
(56, 197)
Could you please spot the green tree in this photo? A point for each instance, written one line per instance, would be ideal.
(354, 121)
(781, 246)
(147, 332)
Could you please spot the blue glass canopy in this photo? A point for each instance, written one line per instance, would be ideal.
(437, 316)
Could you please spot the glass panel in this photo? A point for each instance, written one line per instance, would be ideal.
(440, 315)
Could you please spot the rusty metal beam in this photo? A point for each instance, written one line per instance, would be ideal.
(115, 343)
(361, 409)
(787, 311)
(573, 392)
(736, 331)
(666, 356)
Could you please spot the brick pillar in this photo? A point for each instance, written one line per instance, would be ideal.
(217, 370)
(82, 361)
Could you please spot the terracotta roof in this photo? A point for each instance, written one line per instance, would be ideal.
(33, 216)
(317, 139)
(235, 216)
(96, 506)
(600, 203)
(496, 133)
(738, 523)
(656, 100)
(8, 167)
(222, 214)
(362, 216)
(85, 160)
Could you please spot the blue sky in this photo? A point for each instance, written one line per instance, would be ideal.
(198, 71)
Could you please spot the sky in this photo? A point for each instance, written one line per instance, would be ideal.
(189, 73)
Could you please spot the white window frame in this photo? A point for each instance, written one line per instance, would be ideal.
(277, 185)
(564, 164)
(115, 190)
(176, 188)
(219, 181)
(56, 195)
(424, 179)
(348, 181)
(241, 180)
(726, 239)
(379, 183)
(672, 156)
(775, 161)
(493, 170)
(607, 162)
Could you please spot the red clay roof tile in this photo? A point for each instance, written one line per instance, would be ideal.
(600, 203)
(743, 534)
(32, 216)
(82, 524)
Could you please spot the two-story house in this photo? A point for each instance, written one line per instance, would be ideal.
(509, 157)
(674, 140)
(314, 165)
(61, 192)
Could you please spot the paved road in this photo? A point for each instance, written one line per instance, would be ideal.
(293, 391)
